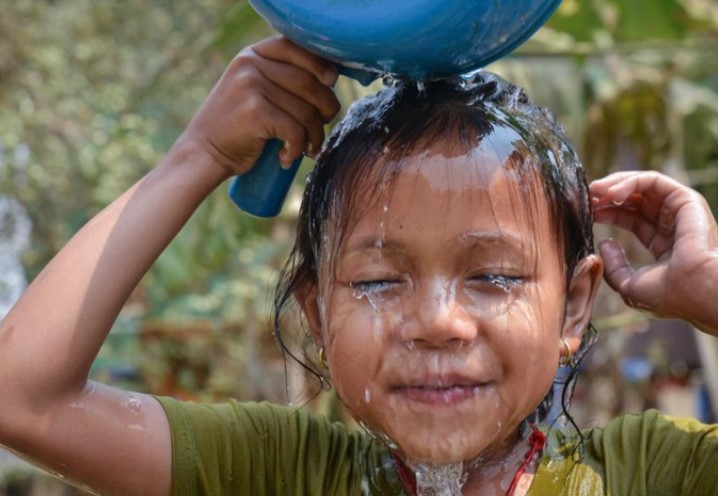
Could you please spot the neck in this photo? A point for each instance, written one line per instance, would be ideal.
(491, 473)
(512, 472)
(496, 472)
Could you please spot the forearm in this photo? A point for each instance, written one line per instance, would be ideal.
(51, 337)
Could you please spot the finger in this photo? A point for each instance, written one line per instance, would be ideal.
(647, 231)
(636, 288)
(303, 85)
(280, 49)
(651, 209)
(277, 123)
(302, 112)
(618, 187)
(675, 209)
(617, 270)
(599, 187)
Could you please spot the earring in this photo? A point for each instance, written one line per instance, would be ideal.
(566, 354)
(323, 358)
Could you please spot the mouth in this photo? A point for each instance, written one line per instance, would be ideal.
(442, 391)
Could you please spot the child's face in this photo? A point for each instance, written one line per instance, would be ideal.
(443, 324)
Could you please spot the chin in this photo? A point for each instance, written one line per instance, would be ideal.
(439, 448)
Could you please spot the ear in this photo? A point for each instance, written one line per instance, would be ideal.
(308, 297)
(582, 290)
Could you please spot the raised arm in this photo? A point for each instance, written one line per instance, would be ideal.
(112, 441)
(676, 225)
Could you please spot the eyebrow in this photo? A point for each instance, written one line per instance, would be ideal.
(495, 237)
(498, 237)
(371, 243)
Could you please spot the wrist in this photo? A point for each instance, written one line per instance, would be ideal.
(203, 169)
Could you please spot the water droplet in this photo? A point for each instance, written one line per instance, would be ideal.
(371, 296)
(500, 281)
(389, 80)
(379, 436)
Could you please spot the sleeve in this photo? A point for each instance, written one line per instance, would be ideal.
(260, 448)
(657, 455)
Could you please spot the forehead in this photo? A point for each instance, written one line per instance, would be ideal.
(494, 185)
(474, 197)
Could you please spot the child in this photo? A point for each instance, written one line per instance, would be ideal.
(443, 267)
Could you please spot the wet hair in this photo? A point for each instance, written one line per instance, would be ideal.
(364, 154)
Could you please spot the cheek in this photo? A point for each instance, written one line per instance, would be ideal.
(357, 337)
(354, 324)
(527, 338)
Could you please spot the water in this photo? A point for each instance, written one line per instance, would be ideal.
(438, 480)
(502, 282)
(367, 395)
(388, 80)
(379, 436)
(365, 113)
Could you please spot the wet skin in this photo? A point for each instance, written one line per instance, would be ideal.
(443, 324)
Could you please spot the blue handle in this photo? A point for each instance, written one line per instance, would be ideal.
(261, 191)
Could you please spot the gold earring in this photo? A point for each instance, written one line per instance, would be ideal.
(567, 356)
(323, 358)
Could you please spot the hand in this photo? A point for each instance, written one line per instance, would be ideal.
(273, 89)
(675, 224)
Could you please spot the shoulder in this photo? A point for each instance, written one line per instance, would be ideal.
(235, 414)
(652, 433)
(657, 453)
(639, 454)
(259, 428)
(263, 448)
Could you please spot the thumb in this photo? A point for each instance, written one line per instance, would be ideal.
(641, 289)
(618, 271)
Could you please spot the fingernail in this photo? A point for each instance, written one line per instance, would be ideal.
(310, 150)
(606, 243)
(284, 160)
(330, 76)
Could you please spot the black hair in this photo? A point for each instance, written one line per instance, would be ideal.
(408, 118)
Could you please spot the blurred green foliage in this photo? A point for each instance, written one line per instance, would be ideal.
(94, 93)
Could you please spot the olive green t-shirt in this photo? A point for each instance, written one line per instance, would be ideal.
(264, 449)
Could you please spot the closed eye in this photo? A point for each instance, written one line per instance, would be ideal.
(500, 281)
(374, 285)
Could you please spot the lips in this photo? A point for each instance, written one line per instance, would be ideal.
(443, 390)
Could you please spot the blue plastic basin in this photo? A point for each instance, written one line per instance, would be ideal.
(368, 38)
(415, 38)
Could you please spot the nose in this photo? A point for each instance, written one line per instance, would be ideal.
(439, 319)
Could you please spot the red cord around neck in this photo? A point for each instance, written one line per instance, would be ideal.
(537, 440)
